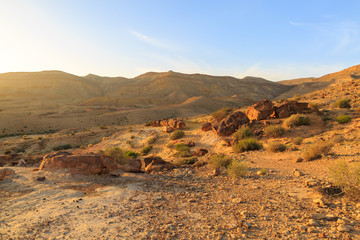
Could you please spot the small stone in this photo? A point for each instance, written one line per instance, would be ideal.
(341, 221)
(320, 202)
(157, 198)
(303, 227)
(310, 182)
(192, 200)
(236, 200)
(318, 216)
(244, 213)
(247, 225)
(343, 228)
(353, 223)
(297, 173)
(216, 172)
(322, 235)
(260, 173)
(330, 217)
(313, 222)
(299, 159)
(41, 179)
(311, 230)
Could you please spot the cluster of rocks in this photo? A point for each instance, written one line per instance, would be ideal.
(170, 124)
(18, 160)
(98, 164)
(259, 111)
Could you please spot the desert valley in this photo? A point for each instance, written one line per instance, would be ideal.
(179, 156)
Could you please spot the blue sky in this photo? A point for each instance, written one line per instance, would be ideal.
(273, 39)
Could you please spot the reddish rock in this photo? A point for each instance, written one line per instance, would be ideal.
(260, 110)
(6, 172)
(132, 165)
(168, 129)
(153, 164)
(231, 123)
(175, 123)
(206, 127)
(201, 152)
(189, 143)
(289, 108)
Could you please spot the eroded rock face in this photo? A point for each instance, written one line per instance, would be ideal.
(175, 123)
(201, 152)
(260, 110)
(86, 164)
(231, 123)
(154, 164)
(206, 127)
(288, 108)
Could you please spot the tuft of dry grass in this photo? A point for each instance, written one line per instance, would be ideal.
(297, 120)
(316, 150)
(115, 153)
(249, 144)
(242, 133)
(276, 147)
(221, 114)
(237, 169)
(177, 134)
(274, 131)
(220, 161)
(347, 177)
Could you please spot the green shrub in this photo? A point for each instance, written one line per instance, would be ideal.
(183, 150)
(249, 144)
(61, 147)
(243, 132)
(221, 114)
(316, 150)
(131, 154)
(177, 134)
(7, 152)
(274, 131)
(145, 150)
(149, 123)
(40, 138)
(116, 153)
(347, 177)
(151, 140)
(342, 103)
(237, 169)
(297, 120)
(219, 161)
(185, 161)
(298, 140)
(343, 119)
(276, 147)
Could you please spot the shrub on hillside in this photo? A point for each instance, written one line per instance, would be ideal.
(297, 120)
(242, 133)
(237, 169)
(151, 140)
(343, 119)
(219, 161)
(145, 150)
(274, 131)
(116, 153)
(185, 161)
(177, 134)
(276, 147)
(221, 114)
(342, 103)
(316, 150)
(131, 154)
(347, 177)
(249, 144)
(298, 140)
(61, 147)
(149, 123)
(313, 105)
(182, 150)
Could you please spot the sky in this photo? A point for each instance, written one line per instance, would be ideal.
(276, 40)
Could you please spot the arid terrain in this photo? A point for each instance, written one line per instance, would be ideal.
(282, 194)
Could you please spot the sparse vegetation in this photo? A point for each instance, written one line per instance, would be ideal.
(274, 131)
(249, 144)
(313, 105)
(149, 123)
(342, 103)
(61, 147)
(276, 147)
(115, 153)
(185, 161)
(151, 140)
(343, 119)
(219, 161)
(7, 152)
(297, 120)
(130, 154)
(242, 133)
(182, 150)
(145, 150)
(316, 150)
(347, 177)
(177, 134)
(298, 140)
(237, 169)
(221, 114)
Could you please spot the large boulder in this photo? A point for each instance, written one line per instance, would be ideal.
(154, 164)
(175, 123)
(231, 123)
(287, 108)
(206, 127)
(260, 110)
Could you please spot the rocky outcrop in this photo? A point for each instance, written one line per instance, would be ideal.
(175, 123)
(287, 108)
(206, 127)
(86, 164)
(155, 164)
(201, 152)
(260, 110)
(231, 123)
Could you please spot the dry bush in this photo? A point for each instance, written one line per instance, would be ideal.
(276, 147)
(185, 161)
(219, 161)
(242, 133)
(343, 119)
(237, 169)
(316, 150)
(298, 140)
(342, 103)
(145, 150)
(249, 144)
(297, 120)
(115, 153)
(151, 140)
(177, 134)
(182, 150)
(221, 114)
(347, 177)
(274, 131)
